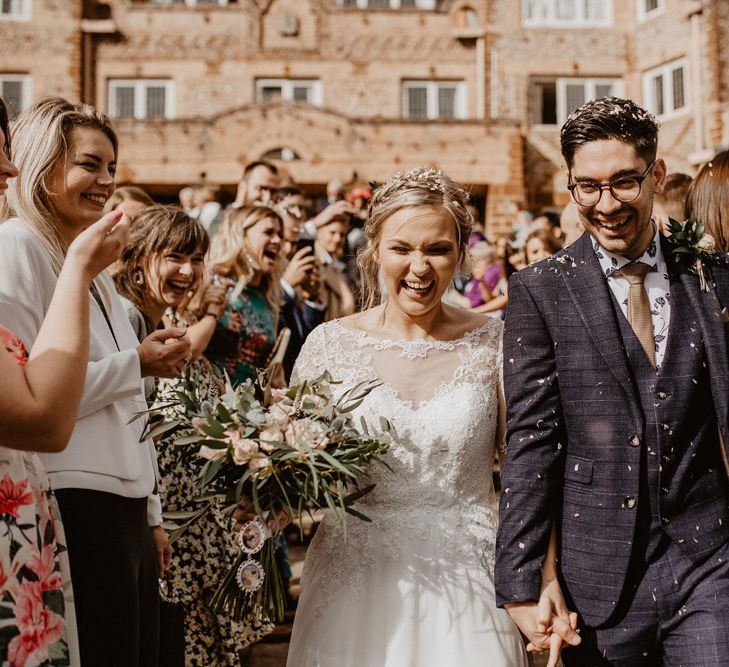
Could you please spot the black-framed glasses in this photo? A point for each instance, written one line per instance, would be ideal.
(625, 189)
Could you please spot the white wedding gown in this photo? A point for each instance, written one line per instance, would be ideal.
(414, 588)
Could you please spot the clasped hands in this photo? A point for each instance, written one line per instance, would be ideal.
(548, 624)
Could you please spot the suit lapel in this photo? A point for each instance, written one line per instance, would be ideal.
(708, 309)
(590, 292)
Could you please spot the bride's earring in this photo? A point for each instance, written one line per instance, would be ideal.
(138, 278)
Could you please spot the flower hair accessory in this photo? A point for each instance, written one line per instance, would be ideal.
(693, 245)
(420, 178)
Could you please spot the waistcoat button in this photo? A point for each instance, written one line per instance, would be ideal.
(634, 441)
(629, 502)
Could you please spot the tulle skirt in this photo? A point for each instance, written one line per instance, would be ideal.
(368, 605)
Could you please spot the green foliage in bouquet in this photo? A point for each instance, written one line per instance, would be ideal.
(276, 454)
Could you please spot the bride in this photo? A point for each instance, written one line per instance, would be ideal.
(413, 588)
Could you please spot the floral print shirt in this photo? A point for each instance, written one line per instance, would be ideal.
(36, 610)
(245, 334)
(656, 283)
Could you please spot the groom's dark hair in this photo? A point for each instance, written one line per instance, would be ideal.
(610, 118)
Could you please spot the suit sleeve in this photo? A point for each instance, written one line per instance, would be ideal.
(311, 318)
(531, 476)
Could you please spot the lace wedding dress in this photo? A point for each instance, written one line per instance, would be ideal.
(413, 588)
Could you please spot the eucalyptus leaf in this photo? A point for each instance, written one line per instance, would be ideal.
(179, 515)
(214, 429)
(359, 515)
(162, 428)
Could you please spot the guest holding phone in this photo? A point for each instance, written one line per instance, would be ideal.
(301, 311)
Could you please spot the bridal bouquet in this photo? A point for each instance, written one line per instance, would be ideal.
(271, 455)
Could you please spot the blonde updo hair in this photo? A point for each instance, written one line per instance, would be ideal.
(41, 137)
(415, 188)
(228, 255)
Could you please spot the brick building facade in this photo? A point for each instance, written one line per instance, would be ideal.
(356, 89)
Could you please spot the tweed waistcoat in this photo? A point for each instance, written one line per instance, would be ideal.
(680, 426)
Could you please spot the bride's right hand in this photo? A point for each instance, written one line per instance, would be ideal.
(556, 624)
(245, 512)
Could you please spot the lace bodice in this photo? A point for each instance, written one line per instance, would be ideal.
(442, 401)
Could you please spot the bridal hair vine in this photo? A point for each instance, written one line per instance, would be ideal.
(425, 179)
(690, 243)
(410, 189)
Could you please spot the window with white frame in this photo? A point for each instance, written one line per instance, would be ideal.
(15, 10)
(567, 13)
(433, 99)
(647, 9)
(141, 98)
(192, 3)
(665, 89)
(552, 100)
(292, 90)
(388, 4)
(15, 89)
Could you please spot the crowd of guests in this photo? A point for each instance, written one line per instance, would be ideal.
(191, 286)
(195, 285)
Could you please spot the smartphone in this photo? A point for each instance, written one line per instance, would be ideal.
(305, 242)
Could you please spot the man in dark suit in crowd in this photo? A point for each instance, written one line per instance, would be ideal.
(301, 310)
(257, 186)
(616, 380)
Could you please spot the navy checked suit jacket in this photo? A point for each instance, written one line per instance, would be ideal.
(572, 412)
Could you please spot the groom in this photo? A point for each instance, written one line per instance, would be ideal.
(616, 378)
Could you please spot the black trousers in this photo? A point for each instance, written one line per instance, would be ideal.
(114, 577)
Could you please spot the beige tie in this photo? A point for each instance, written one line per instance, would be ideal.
(639, 307)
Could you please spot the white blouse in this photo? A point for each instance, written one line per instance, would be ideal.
(105, 452)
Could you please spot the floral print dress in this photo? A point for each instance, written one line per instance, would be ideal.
(245, 334)
(37, 621)
(205, 552)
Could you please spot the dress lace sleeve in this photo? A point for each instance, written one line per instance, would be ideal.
(312, 359)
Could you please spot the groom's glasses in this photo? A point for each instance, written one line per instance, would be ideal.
(625, 189)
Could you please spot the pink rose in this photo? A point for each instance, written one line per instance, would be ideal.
(243, 450)
(261, 465)
(313, 402)
(270, 438)
(279, 414)
(306, 434)
(278, 395)
(209, 453)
